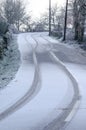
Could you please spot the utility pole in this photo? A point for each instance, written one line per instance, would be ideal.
(49, 17)
(65, 23)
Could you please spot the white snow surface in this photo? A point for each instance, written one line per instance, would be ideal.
(55, 93)
(47, 104)
(79, 72)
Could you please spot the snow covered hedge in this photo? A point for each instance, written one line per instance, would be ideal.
(1, 46)
(5, 36)
(9, 53)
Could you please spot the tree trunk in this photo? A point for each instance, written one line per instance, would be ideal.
(49, 17)
(65, 24)
(76, 31)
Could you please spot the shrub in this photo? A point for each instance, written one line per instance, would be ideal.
(3, 27)
(1, 46)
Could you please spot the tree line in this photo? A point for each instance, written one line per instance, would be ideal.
(14, 13)
(70, 17)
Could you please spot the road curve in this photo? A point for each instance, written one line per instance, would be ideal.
(65, 117)
(28, 95)
(67, 114)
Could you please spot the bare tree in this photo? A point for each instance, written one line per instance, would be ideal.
(27, 24)
(8, 9)
(14, 12)
(19, 13)
(54, 15)
(79, 19)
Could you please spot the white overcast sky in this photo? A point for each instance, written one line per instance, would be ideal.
(39, 6)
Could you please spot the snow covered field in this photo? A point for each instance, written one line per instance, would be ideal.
(55, 90)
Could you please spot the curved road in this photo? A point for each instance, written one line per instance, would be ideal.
(28, 95)
(66, 115)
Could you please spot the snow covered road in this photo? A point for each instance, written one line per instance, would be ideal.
(71, 108)
(79, 72)
(23, 87)
(52, 92)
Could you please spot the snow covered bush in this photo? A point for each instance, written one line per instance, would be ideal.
(9, 54)
(57, 34)
(10, 63)
(3, 27)
(12, 29)
(70, 34)
(1, 46)
(5, 36)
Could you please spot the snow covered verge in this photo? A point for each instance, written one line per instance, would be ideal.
(10, 63)
(68, 51)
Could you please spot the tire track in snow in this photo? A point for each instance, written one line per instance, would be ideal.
(66, 116)
(27, 96)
